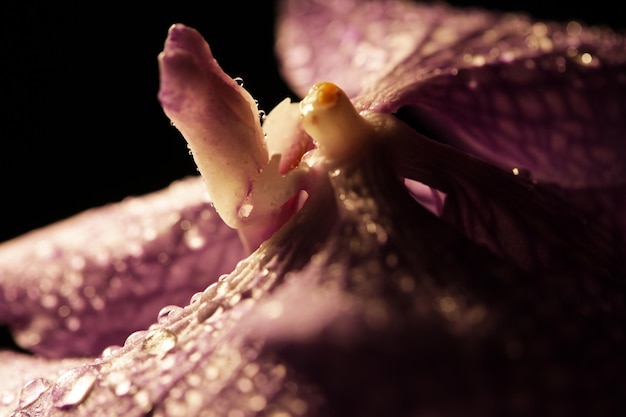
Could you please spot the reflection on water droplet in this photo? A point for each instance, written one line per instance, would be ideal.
(245, 210)
(159, 342)
(168, 313)
(73, 386)
(32, 391)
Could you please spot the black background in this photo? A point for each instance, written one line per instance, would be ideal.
(80, 125)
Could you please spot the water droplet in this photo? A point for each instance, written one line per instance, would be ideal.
(159, 342)
(168, 313)
(133, 337)
(49, 301)
(239, 81)
(391, 260)
(142, 399)
(245, 210)
(257, 403)
(195, 298)
(74, 386)
(120, 383)
(33, 390)
(194, 239)
(245, 385)
(109, 350)
(72, 323)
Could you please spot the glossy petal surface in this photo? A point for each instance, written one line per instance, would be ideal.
(95, 278)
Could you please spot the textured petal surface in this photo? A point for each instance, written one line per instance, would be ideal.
(542, 97)
(536, 226)
(355, 315)
(541, 100)
(95, 278)
(25, 378)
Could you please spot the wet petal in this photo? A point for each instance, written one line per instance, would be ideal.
(367, 41)
(26, 378)
(217, 117)
(540, 100)
(541, 97)
(536, 226)
(105, 273)
(219, 120)
(384, 328)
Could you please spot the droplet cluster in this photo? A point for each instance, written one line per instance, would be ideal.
(68, 288)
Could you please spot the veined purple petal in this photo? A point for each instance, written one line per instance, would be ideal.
(541, 97)
(541, 100)
(95, 278)
(366, 40)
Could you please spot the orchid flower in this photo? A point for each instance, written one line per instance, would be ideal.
(435, 228)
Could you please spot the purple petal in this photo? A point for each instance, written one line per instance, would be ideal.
(543, 100)
(345, 317)
(366, 41)
(26, 378)
(105, 273)
(542, 97)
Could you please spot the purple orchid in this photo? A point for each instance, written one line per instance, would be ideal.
(434, 229)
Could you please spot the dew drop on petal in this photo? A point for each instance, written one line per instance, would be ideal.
(193, 238)
(120, 383)
(159, 342)
(168, 313)
(74, 386)
(133, 337)
(195, 298)
(142, 399)
(109, 350)
(32, 390)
